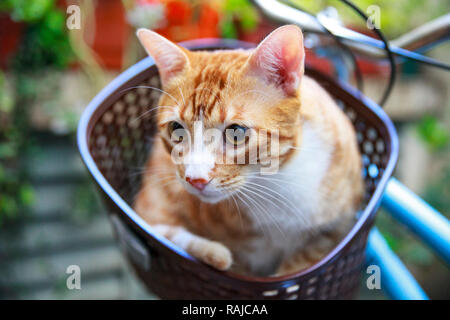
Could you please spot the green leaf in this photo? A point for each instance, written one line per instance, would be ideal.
(7, 150)
(228, 29)
(433, 133)
(249, 19)
(29, 10)
(26, 195)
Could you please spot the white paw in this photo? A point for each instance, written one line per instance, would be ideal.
(216, 255)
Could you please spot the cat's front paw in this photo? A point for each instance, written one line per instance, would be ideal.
(216, 255)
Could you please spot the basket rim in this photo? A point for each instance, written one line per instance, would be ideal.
(148, 62)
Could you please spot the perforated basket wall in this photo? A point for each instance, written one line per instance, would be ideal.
(114, 145)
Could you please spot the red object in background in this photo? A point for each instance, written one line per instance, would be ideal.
(10, 36)
(256, 36)
(178, 13)
(182, 24)
(208, 22)
(178, 27)
(111, 33)
(322, 64)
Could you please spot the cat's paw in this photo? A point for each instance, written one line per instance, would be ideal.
(211, 252)
(216, 255)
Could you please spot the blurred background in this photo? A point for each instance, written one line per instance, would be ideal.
(50, 215)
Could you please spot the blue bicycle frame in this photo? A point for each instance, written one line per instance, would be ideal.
(414, 213)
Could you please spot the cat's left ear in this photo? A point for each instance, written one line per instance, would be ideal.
(170, 58)
(279, 59)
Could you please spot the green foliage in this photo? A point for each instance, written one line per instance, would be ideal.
(238, 14)
(6, 99)
(437, 194)
(434, 133)
(44, 44)
(86, 203)
(27, 10)
(409, 248)
(396, 17)
(45, 41)
(16, 192)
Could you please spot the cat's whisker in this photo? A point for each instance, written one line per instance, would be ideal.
(153, 88)
(152, 109)
(230, 194)
(268, 214)
(144, 169)
(293, 209)
(168, 183)
(262, 226)
(164, 179)
(290, 190)
(271, 190)
(260, 207)
(182, 96)
(289, 205)
(140, 171)
(273, 178)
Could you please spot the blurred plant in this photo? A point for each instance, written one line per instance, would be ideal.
(437, 194)
(397, 17)
(410, 249)
(43, 45)
(45, 41)
(16, 193)
(86, 203)
(437, 138)
(238, 14)
(26, 10)
(433, 133)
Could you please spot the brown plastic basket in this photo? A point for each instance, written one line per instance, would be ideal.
(113, 146)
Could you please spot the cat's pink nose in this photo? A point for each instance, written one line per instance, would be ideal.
(198, 184)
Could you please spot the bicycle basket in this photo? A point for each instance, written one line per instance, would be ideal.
(112, 146)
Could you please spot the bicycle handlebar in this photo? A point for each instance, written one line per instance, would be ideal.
(426, 34)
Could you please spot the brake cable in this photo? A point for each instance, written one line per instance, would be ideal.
(357, 71)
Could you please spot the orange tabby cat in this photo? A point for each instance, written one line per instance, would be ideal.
(231, 214)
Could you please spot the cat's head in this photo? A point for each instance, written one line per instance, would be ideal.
(230, 114)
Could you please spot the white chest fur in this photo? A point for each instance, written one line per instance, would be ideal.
(282, 205)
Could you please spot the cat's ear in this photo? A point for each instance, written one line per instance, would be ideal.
(170, 58)
(279, 59)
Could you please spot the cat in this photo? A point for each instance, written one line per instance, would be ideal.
(234, 216)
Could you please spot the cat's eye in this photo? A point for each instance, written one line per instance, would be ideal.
(235, 134)
(176, 131)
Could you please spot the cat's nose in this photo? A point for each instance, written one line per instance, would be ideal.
(198, 184)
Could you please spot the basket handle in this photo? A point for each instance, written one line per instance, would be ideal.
(130, 243)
